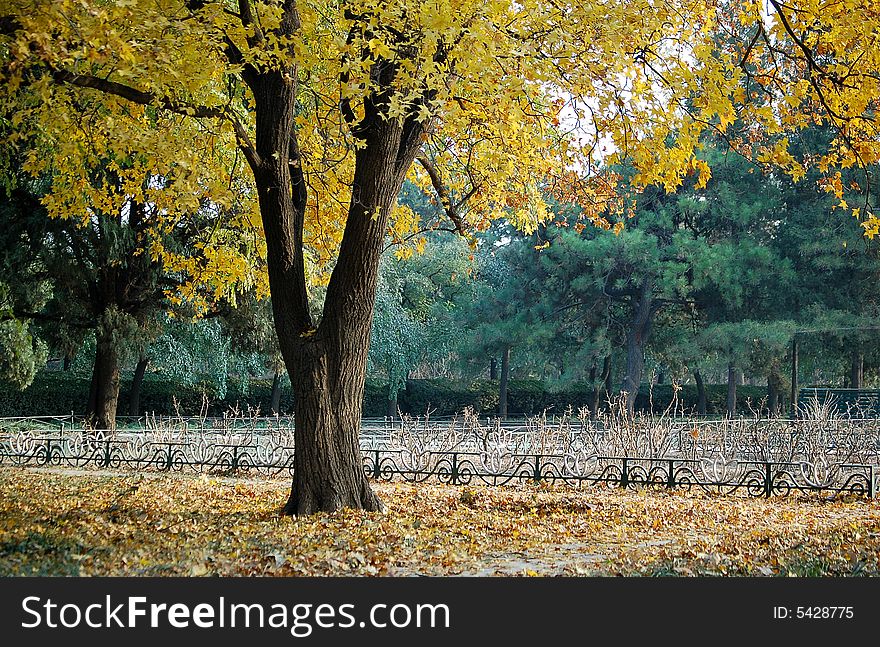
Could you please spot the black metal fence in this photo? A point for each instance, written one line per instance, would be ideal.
(269, 453)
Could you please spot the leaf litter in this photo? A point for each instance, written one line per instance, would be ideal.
(53, 522)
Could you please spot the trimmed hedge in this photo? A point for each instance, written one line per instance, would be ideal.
(531, 397)
(55, 393)
(60, 393)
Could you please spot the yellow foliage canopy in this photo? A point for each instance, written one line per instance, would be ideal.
(525, 99)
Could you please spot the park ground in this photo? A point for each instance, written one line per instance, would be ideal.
(66, 522)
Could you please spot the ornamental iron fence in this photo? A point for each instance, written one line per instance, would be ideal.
(757, 457)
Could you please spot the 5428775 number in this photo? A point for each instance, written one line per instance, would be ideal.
(820, 613)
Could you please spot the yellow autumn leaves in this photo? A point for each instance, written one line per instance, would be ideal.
(523, 99)
(104, 524)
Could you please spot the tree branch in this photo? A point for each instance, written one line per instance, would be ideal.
(442, 193)
(164, 103)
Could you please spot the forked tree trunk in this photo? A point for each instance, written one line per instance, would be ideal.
(104, 388)
(327, 364)
(137, 382)
(503, 382)
(701, 393)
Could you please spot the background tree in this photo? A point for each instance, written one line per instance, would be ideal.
(102, 274)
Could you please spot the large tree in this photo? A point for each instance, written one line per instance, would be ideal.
(330, 103)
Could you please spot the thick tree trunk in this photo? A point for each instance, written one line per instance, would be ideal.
(275, 405)
(503, 382)
(327, 364)
(731, 389)
(104, 389)
(134, 396)
(636, 339)
(701, 393)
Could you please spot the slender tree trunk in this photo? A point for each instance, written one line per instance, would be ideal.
(731, 389)
(701, 393)
(795, 391)
(104, 389)
(601, 386)
(503, 382)
(275, 405)
(636, 339)
(772, 395)
(134, 397)
(66, 362)
(392, 407)
(606, 372)
(493, 369)
(856, 374)
(594, 402)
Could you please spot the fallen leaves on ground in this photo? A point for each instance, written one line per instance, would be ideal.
(63, 522)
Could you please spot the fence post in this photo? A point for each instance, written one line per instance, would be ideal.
(670, 477)
(454, 475)
(624, 474)
(768, 479)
